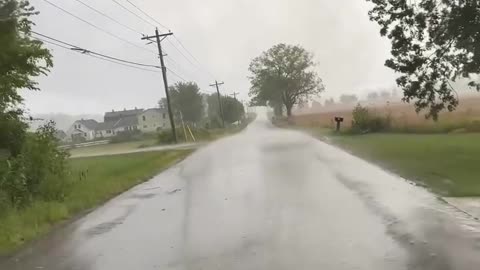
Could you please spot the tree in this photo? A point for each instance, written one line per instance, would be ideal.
(233, 109)
(385, 94)
(284, 75)
(372, 96)
(21, 59)
(187, 99)
(162, 103)
(348, 99)
(329, 102)
(434, 42)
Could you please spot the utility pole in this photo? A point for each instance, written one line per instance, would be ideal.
(157, 36)
(234, 94)
(216, 84)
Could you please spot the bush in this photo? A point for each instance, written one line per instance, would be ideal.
(38, 171)
(165, 137)
(364, 122)
(127, 136)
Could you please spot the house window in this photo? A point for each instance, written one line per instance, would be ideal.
(164, 116)
(144, 118)
(109, 131)
(84, 134)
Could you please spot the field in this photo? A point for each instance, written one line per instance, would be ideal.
(105, 177)
(404, 118)
(443, 155)
(446, 163)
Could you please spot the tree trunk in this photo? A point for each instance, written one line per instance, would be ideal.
(289, 110)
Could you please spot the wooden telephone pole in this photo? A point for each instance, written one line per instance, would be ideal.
(216, 84)
(234, 94)
(157, 37)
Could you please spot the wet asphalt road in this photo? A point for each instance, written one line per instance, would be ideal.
(265, 199)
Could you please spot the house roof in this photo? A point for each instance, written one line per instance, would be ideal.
(127, 122)
(105, 125)
(89, 123)
(124, 113)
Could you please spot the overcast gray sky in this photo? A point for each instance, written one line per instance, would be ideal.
(224, 35)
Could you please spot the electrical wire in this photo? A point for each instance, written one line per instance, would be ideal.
(176, 75)
(86, 51)
(191, 55)
(95, 56)
(96, 27)
(146, 14)
(110, 18)
(198, 65)
(135, 14)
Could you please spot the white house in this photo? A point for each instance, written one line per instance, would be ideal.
(82, 130)
(147, 121)
(153, 120)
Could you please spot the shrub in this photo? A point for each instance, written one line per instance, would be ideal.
(39, 170)
(165, 137)
(127, 136)
(364, 121)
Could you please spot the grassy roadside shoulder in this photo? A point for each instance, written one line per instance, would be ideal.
(447, 164)
(93, 181)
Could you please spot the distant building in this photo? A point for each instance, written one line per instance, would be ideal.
(60, 135)
(146, 121)
(82, 130)
(153, 120)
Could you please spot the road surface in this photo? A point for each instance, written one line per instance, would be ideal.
(265, 199)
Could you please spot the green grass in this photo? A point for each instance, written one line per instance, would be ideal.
(107, 177)
(112, 148)
(446, 163)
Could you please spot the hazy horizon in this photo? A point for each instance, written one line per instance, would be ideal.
(223, 35)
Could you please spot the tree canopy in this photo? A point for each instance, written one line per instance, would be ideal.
(434, 42)
(21, 59)
(187, 99)
(233, 110)
(348, 99)
(284, 75)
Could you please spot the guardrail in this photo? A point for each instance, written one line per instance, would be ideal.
(86, 144)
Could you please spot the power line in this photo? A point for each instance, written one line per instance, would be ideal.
(86, 51)
(122, 64)
(198, 65)
(107, 16)
(173, 45)
(95, 56)
(135, 14)
(96, 27)
(52, 43)
(176, 75)
(191, 55)
(146, 14)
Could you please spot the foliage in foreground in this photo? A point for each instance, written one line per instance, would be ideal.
(92, 181)
(38, 172)
(434, 42)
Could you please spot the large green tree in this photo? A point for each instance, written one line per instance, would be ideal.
(22, 58)
(434, 42)
(284, 74)
(187, 99)
(233, 109)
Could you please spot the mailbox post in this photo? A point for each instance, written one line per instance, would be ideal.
(338, 120)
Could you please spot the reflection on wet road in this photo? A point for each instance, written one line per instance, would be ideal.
(265, 199)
